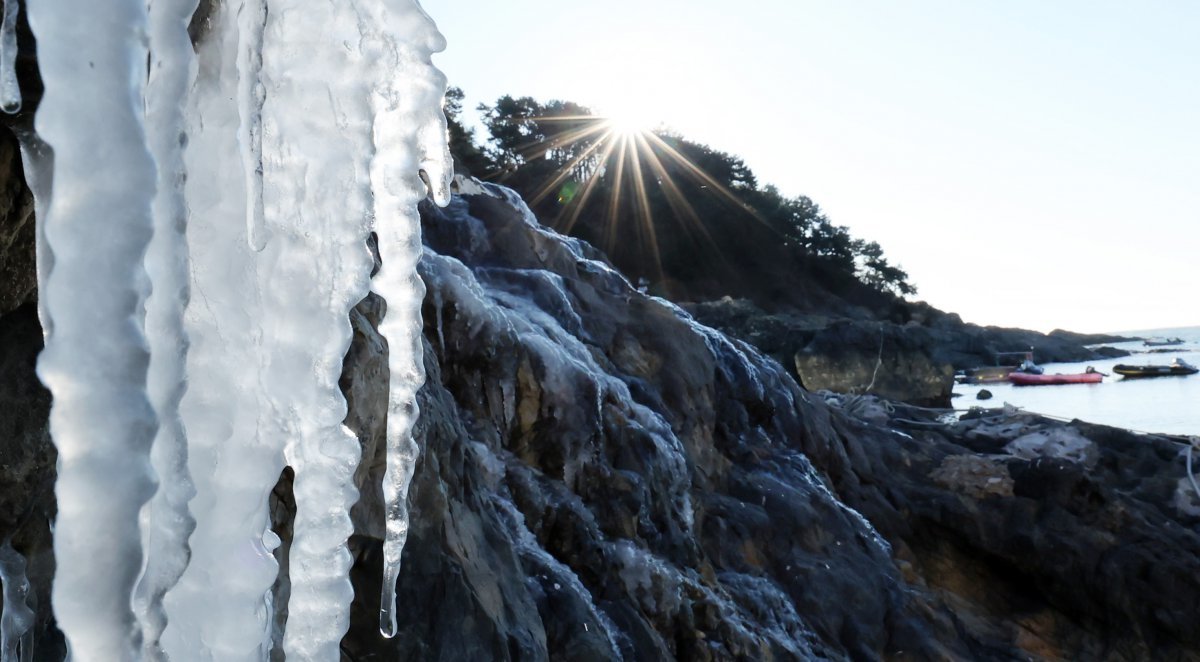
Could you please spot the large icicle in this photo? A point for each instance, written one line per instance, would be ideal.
(302, 129)
(168, 522)
(410, 131)
(16, 623)
(314, 268)
(218, 611)
(10, 89)
(93, 59)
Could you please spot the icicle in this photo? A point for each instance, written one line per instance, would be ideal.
(217, 611)
(410, 142)
(37, 160)
(315, 269)
(333, 112)
(251, 21)
(10, 89)
(95, 360)
(16, 622)
(168, 522)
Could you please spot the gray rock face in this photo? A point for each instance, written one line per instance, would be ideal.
(938, 338)
(850, 357)
(603, 478)
(1063, 541)
(18, 276)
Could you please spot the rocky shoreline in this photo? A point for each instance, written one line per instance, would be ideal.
(1054, 527)
(603, 477)
(912, 362)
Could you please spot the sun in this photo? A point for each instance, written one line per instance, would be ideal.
(630, 119)
(628, 125)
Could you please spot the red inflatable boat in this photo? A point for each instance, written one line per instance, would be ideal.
(1026, 379)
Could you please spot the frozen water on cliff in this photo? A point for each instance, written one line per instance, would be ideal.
(219, 598)
(167, 522)
(10, 90)
(16, 624)
(249, 172)
(96, 359)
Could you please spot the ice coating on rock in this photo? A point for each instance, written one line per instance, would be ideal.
(95, 360)
(528, 546)
(411, 152)
(252, 20)
(10, 89)
(16, 622)
(167, 522)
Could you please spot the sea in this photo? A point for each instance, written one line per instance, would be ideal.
(1169, 405)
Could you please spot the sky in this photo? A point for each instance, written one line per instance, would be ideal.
(1029, 163)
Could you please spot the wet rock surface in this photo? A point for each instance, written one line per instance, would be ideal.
(604, 478)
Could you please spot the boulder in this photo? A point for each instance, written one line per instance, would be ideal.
(1070, 540)
(855, 357)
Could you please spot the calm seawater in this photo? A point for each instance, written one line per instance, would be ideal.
(1161, 404)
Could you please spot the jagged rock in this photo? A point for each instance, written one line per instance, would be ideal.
(943, 337)
(977, 477)
(1089, 338)
(1091, 555)
(604, 478)
(1106, 352)
(18, 277)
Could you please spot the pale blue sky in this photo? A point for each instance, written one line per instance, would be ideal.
(1030, 163)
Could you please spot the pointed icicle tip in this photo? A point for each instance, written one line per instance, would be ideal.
(437, 178)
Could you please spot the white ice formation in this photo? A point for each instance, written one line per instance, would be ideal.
(16, 623)
(10, 89)
(202, 245)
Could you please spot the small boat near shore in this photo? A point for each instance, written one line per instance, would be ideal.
(1162, 342)
(1028, 379)
(998, 374)
(1177, 368)
(986, 375)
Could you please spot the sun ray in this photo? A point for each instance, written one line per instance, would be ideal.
(566, 171)
(614, 207)
(597, 152)
(680, 206)
(643, 209)
(589, 187)
(708, 180)
(675, 198)
(541, 147)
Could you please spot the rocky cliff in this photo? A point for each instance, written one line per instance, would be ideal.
(603, 477)
(911, 360)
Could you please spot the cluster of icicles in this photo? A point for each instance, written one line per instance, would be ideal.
(204, 212)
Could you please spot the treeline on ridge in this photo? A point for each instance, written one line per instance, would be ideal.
(689, 222)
